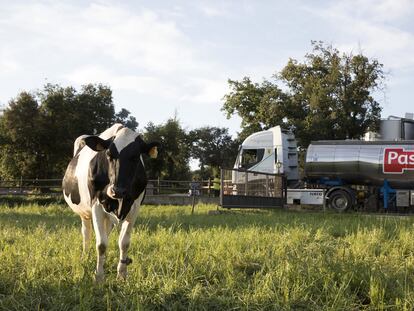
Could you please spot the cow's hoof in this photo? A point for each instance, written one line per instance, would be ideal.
(122, 271)
(122, 276)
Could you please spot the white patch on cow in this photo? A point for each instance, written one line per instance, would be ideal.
(113, 218)
(112, 131)
(86, 234)
(78, 208)
(79, 144)
(125, 235)
(108, 133)
(124, 137)
(82, 173)
(99, 219)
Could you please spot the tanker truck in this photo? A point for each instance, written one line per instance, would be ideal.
(344, 174)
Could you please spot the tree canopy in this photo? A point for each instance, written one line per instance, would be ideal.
(327, 96)
(38, 129)
(173, 159)
(214, 148)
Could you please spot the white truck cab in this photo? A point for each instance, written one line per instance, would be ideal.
(270, 151)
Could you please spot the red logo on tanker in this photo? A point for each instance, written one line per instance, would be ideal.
(396, 160)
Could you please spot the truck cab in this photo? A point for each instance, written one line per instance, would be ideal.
(271, 151)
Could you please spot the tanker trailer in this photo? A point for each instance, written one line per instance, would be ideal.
(352, 169)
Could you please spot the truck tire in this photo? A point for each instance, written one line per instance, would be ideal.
(340, 200)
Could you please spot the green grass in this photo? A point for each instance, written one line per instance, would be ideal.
(248, 260)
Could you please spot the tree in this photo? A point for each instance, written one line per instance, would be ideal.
(213, 147)
(21, 152)
(38, 130)
(328, 96)
(173, 159)
(259, 106)
(126, 119)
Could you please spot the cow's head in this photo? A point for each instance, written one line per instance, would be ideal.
(125, 165)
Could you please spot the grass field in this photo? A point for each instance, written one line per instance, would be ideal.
(248, 260)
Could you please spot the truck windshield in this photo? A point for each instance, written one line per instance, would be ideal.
(250, 157)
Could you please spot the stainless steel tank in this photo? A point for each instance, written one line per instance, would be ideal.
(362, 162)
(395, 128)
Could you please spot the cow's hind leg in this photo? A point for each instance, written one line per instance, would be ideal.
(124, 241)
(99, 223)
(86, 234)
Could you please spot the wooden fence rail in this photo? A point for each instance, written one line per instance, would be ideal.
(54, 186)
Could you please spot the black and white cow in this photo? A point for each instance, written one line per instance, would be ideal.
(105, 184)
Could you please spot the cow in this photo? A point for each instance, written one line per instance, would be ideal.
(105, 185)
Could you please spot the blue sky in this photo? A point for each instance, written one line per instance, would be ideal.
(174, 57)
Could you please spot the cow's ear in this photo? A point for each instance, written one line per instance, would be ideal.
(96, 143)
(152, 149)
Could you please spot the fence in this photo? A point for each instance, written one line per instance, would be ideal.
(54, 186)
(244, 189)
(31, 186)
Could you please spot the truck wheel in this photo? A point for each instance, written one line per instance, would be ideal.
(340, 200)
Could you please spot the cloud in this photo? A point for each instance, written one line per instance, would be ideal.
(204, 91)
(367, 25)
(140, 38)
(143, 39)
(123, 82)
(136, 50)
(213, 11)
(98, 74)
(374, 10)
(8, 65)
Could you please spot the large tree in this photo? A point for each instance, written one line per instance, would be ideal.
(21, 139)
(213, 147)
(327, 96)
(38, 129)
(125, 117)
(173, 159)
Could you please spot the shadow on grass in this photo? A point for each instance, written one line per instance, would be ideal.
(18, 200)
(337, 225)
(32, 220)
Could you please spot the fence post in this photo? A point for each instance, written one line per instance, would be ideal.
(193, 201)
(267, 186)
(158, 185)
(222, 185)
(21, 184)
(245, 182)
(209, 185)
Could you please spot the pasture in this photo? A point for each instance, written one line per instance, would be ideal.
(248, 260)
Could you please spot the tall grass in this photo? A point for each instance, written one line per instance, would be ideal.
(249, 260)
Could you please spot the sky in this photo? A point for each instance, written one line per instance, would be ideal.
(173, 58)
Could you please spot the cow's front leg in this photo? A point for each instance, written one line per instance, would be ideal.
(124, 241)
(99, 223)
